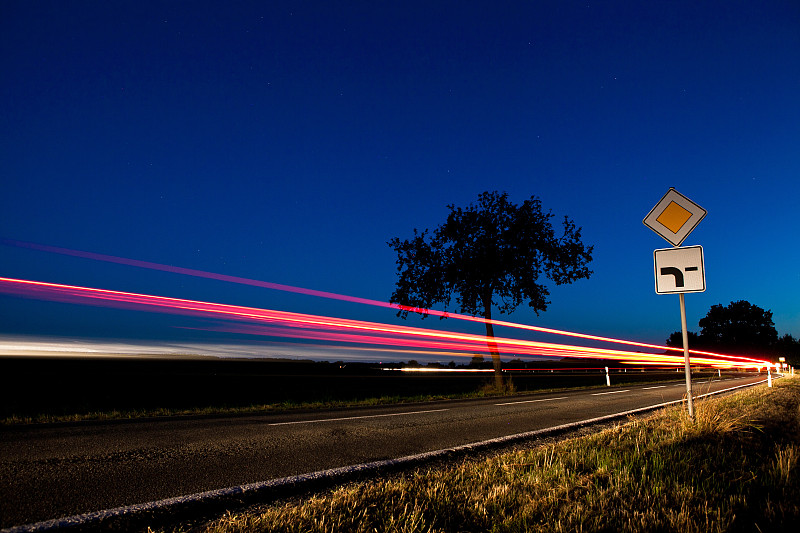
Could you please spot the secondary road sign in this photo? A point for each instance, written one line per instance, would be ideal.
(679, 270)
(674, 217)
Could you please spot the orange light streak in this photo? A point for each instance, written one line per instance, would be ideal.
(335, 296)
(305, 326)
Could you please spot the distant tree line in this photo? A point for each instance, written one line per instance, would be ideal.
(739, 328)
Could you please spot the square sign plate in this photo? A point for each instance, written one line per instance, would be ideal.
(679, 270)
(674, 217)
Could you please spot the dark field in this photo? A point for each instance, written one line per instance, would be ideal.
(60, 386)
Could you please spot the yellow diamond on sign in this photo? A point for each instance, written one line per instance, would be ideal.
(674, 217)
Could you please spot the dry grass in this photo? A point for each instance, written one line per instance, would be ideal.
(488, 390)
(734, 468)
(214, 411)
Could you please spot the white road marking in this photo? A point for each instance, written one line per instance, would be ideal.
(532, 401)
(656, 387)
(612, 392)
(354, 417)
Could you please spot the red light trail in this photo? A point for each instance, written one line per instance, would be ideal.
(256, 321)
(334, 296)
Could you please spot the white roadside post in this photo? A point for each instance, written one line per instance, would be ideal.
(769, 377)
(678, 270)
(608, 378)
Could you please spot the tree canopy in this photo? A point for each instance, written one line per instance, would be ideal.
(675, 339)
(788, 347)
(493, 253)
(738, 327)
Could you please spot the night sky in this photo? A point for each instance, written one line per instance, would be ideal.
(287, 142)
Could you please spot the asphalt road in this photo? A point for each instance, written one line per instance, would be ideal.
(49, 472)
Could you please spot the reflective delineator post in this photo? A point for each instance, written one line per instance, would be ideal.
(686, 357)
(608, 378)
(769, 377)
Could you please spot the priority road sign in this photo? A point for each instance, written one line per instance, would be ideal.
(674, 217)
(679, 270)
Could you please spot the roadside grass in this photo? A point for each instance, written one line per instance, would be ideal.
(486, 391)
(733, 468)
(211, 411)
(252, 409)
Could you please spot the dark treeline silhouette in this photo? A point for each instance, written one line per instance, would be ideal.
(740, 328)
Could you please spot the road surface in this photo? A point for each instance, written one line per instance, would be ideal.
(53, 471)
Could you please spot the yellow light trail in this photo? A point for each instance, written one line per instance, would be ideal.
(342, 297)
(300, 325)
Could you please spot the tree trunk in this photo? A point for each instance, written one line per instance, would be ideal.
(498, 371)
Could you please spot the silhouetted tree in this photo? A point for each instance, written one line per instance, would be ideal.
(788, 347)
(675, 339)
(489, 254)
(738, 327)
(476, 361)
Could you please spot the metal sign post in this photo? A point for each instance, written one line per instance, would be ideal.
(686, 364)
(678, 269)
(681, 270)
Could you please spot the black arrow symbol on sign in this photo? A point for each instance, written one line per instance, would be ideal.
(674, 271)
(666, 271)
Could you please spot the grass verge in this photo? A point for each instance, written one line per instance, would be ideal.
(114, 414)
(485, 391)
(733, 468)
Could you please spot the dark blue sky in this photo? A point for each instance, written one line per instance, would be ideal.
(288, 141)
